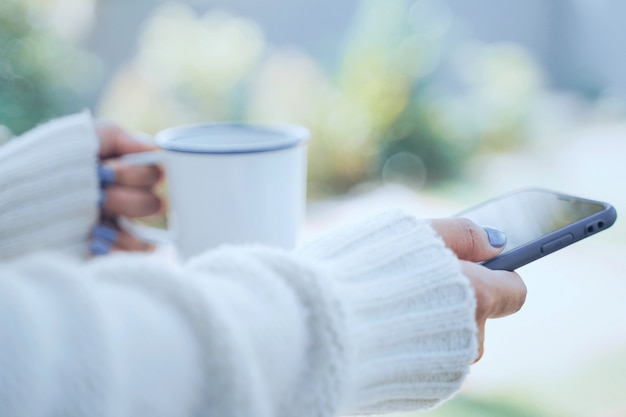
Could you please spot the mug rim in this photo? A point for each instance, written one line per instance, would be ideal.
(287, 136)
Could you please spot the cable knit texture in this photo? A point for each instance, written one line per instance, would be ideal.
(409, 309)
(48, 187)
(373, 318)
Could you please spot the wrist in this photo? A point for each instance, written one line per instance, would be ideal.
(49, 187)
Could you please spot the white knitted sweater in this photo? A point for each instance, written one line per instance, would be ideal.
(48, 187)
(375, 317)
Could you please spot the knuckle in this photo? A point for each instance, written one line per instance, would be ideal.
(152, 204)
(142, 176)
(472, 235)
(153, 174)
(484, 302)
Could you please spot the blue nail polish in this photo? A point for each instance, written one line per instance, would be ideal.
(106, 175)
(105, 233)
(102, 197)
(497, 238)
(99, 247)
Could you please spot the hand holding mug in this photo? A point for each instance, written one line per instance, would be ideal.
(126, 190)
(228, 183)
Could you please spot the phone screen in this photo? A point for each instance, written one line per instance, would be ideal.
(531, 214)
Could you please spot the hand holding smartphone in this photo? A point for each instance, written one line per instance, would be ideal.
(538, 222)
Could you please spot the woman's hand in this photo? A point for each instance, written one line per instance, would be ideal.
(498, 293)
(126, 190)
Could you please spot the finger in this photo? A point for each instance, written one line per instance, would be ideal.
(99, 247)
(130, 202)
(132, 175)
(102, 239)
(105, 232)
(115, 141)
(498, 293)
(106, 175)
(469, 241)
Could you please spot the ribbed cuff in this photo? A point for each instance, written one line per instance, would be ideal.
(410, 313)
(49, 187)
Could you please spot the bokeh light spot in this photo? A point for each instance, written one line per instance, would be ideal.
(405, 168)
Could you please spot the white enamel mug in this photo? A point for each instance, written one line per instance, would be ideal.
(232, 183)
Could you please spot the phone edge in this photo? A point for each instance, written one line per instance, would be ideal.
(532, 251)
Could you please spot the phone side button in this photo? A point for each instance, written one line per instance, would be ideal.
(557, 244)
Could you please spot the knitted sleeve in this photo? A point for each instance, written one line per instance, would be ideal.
(373, 318)
(409, 311)
(48, 187)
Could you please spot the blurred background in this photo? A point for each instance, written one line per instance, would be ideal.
(432, 105)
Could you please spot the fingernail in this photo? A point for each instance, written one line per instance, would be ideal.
(105, 233)
(106, 175)
(102, 198)
(497, 238)
(99, 247)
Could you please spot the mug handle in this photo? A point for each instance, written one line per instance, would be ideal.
(147, 233)
(143, 158)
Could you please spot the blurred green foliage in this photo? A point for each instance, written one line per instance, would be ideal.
(37, 68)
(394, 50)
(378, 112)
(472, 406)
(382, 113)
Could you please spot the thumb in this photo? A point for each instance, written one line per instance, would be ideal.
(469, 241)
(115, 141)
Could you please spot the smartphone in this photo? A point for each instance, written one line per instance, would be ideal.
(538, 222)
